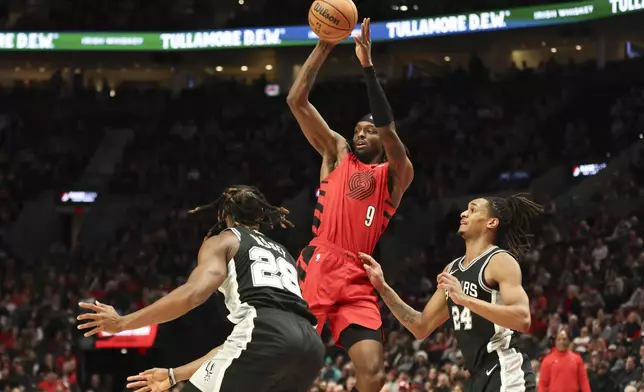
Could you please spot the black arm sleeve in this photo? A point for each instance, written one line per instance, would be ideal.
(380, 109)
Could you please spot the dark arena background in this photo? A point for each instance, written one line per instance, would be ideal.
(117, 117)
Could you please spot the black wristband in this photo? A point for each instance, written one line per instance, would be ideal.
(380, 108)
(369, 71)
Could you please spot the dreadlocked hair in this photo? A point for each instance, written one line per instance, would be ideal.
(514, 214)
(247, 206)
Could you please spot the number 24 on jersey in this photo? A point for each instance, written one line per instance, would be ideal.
(462, 318)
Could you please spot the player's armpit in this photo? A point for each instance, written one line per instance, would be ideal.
(514, 312)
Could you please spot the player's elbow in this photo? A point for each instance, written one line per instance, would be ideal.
(291, 99)
(420, 335)
(525, 323)
(420, 332)
(296, 100)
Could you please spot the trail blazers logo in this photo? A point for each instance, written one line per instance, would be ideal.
(361, 185)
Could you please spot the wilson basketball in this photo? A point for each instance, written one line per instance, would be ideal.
(333, 20)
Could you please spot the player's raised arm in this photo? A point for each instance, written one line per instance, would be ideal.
(514, 312)
(383, 118)
(420, 324)
(203, 281)
(329, 144)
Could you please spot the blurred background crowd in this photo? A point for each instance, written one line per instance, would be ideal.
(567, 131)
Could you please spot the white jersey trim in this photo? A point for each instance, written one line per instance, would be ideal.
(477, 258)
(235, 232)
(211, 374)
(450, 265)
(502, 336)
(230, 288)
(511, 372)
(482, 271)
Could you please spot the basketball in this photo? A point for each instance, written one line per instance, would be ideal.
(333, 20)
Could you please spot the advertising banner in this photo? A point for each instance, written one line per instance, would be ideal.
(514, 18)
(137, 338)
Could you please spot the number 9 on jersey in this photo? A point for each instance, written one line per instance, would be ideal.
(371, 213)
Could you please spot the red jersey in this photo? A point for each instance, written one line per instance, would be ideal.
(354, 206)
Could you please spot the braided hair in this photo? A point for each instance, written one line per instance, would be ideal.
(514, 214)
(246, 206)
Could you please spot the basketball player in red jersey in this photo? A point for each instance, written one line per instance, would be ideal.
(359, 193)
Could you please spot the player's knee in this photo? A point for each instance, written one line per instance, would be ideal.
(379, 378)
(373, 371)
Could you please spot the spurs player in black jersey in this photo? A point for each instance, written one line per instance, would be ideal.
(481, 293)
(273, 347)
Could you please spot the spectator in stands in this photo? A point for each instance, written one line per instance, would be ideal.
(572, 304)
(563, 370)
(591, 299)
(631, 372)
(600, 252)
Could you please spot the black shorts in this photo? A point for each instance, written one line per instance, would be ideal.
(275, 351)
(509, 371)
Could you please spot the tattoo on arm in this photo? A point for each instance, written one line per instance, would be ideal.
(405, 313)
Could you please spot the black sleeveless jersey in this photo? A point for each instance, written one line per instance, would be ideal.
(478, 338)
(262, 274)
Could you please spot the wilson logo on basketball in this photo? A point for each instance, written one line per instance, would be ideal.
(361, 185)
(323, 12)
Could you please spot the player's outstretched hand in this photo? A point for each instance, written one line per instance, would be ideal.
(152, 380)
(104, 319)
(363, 43)
(374, 271)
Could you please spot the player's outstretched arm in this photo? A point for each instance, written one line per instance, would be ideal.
(420, 324)
(203, 281)
(514, 312)
(400, 166)
(329, 144)
(159, 379)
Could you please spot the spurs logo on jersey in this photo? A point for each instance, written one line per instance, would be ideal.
(477, 337)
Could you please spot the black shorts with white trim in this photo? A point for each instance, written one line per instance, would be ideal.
(270, 351)
(506, 371)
